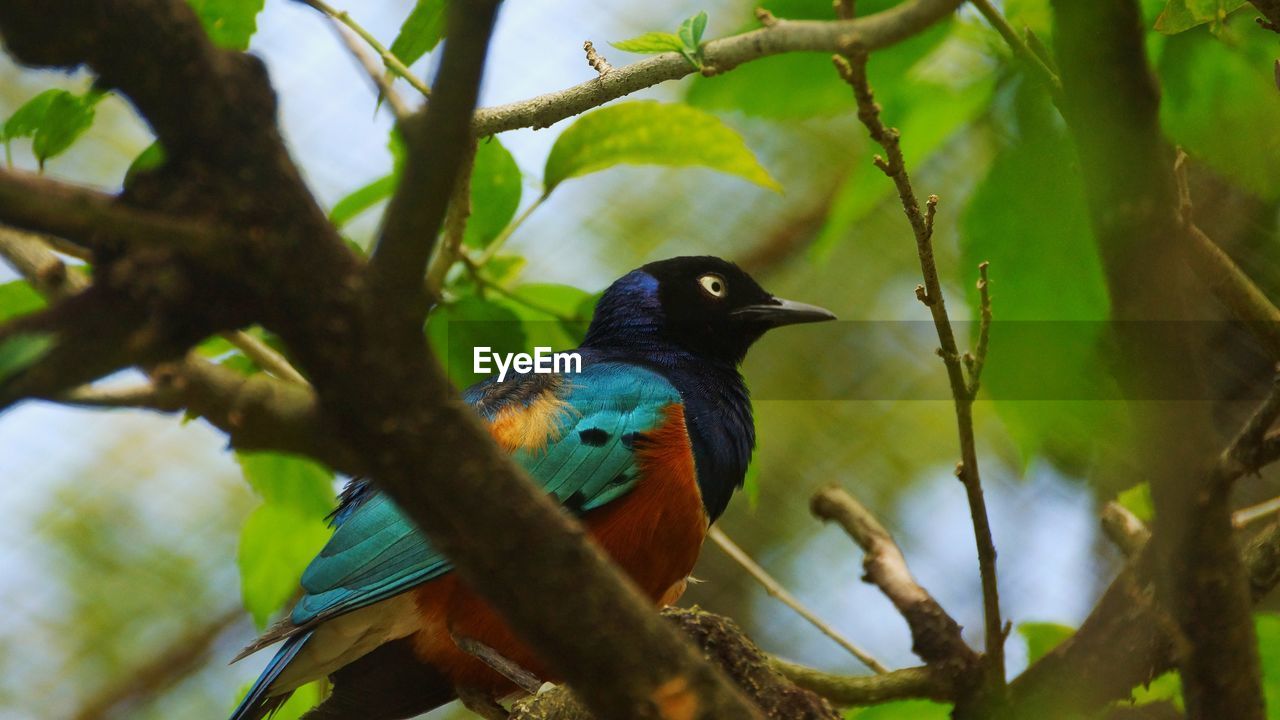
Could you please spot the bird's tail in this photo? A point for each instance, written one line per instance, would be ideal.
(387, 684)
(257, 704)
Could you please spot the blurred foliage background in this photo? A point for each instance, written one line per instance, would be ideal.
(138, 554)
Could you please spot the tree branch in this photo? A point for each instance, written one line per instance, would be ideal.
(393, 63)
(861, 690)
(872, 32)
(438, 146)
(935, 635)
(1111, 105)
(723, 643)
(774, 588)
(854, 71)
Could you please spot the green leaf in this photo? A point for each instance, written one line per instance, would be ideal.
(276, 544)
(18, 298)
(1216, 96)
(1182, 15)
(152, 157)
(902, 710)
(1165, 689)
(229, 23)
(19, 352)
(651, 133)
(650, 43)
(456, 329)
(290, 481)
(361, 199)
(1041, 637)
(1029, 219)
(801, 85)
(1137, 500)
(53, 120)
(421, 31)
(1267, 626)
(495, 193)
(552, 313)
(691, 33)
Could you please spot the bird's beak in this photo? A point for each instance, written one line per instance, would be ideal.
(781, 312)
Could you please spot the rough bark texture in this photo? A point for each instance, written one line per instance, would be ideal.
(1112, 107)
(281, 264)
(723, 643)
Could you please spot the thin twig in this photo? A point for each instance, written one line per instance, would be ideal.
(775, 589)
(1229, 283)
(375, 73)
(394, 64)
(505, 235)
(455, 227)
(975, 361)
(1021, 49)
(861, 690)
(1246, 452)
(1249, 515)
(854, 71)
(596, 60)
(873, 32)
(523, 679)
(1124, 528)
(147, 396)
(265, 357)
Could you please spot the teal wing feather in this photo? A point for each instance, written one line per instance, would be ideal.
(376, 552)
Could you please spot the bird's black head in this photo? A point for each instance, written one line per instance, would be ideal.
(703, 305)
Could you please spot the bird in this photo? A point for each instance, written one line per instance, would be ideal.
(645, 443)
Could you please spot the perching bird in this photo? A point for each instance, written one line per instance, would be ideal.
(645, 445)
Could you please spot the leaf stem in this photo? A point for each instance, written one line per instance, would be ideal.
(505, 235)
(393, 63)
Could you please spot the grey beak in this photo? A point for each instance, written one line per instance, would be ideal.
(782, 312)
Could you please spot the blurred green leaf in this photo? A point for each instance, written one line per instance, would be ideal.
(1216, 96)
(229, 23)
(1137, 500)
(290, 481)
(53, 120)
(421, 31)
(456, 329)
(1041, 637)
(902, 710)
(495, 193)
(276, 544)
(1182, 15)
(1028, 218)
(552, 313)
(1267, 626)
(363, 198)
(650, 43)
(650, 133)
(17, 297)
(151, 157)
(19, 352)
(1166, 688)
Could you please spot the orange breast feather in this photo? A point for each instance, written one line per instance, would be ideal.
(654, 533)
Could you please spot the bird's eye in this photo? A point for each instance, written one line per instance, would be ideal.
(713, 285)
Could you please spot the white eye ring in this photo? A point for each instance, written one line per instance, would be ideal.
(713, 285)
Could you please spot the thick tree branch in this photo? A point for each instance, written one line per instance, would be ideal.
(723, 643)
(1111, 105)
(82, 215)
(438, 145)
(782, 36)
